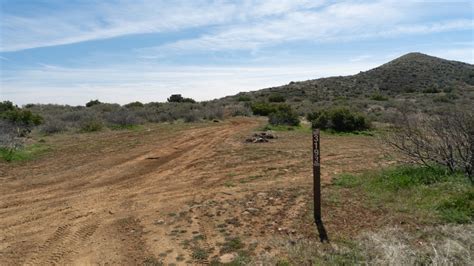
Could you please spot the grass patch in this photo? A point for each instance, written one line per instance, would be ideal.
(126, 127)
(427, 193)
(250, 179)
(352, 133)
(283, 128)
(229, 183)
(232, 245)
(152, 261)
(24, 154)
(200, 254)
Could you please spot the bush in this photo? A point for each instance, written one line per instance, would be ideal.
(123, 118)
(23, 117)
(339, 120)
(431, 90)
(191, 117)
(263, 109)
(378, 97)
(244, 98)
(91, 125)
(52, 126)
(445, 138)
(92, 103)
(276, 98)
(6, 106)
(134, 105)
(284, 117)
(177, 98)
(10, 138)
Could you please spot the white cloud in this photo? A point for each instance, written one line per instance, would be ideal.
(101, 20)
(246, 24)
(337, 22)
(122, 84)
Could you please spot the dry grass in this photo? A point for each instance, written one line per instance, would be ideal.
(440, 245)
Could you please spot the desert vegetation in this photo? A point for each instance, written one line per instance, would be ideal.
(445, 138)
(338, 120)
(182, 182)
(95, 115)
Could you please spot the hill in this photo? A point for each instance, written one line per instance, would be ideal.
(422, 81)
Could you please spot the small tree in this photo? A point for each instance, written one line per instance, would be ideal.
(92, 103)
(276, 98)
(6, 106)
(177, 98)
(445, 139)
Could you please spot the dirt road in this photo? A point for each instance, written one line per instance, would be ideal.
(177, 194)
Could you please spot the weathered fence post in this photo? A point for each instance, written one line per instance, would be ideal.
(317, 186)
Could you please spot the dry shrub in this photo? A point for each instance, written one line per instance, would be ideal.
(123, 117)
(441, 245)
(10, 136)
(446, 139)
(52, 126)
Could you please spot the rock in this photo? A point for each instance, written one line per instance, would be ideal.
(252, 210)
(227, 258)
(262, 195)
(111, 212)
(159, 222)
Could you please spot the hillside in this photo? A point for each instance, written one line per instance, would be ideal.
(423, 81)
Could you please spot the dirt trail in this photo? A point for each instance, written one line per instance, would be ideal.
(164, 198)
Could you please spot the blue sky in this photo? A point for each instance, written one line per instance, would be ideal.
(72, 51)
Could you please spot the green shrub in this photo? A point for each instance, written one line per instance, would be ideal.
(23, 154)
(6, 106)
(378, 97)
(92, 103)
(431, 90)
(244, 98)
(339, 120)
(134, 105)
(263, 109)
(91, 125)
(23, 117)
(177, 98)
(283, 117)
(276, 98)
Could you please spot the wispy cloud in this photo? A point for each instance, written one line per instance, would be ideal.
(106, 20)
(246, 24)
(334, 23)
(123, 84)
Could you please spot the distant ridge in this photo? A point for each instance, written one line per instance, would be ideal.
(414, 77)
(413, 72)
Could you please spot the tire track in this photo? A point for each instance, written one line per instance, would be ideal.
(63, 244)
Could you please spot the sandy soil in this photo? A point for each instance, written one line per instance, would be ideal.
(165, 192)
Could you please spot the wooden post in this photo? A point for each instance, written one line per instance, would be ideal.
(316, 175)
(317, 186)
